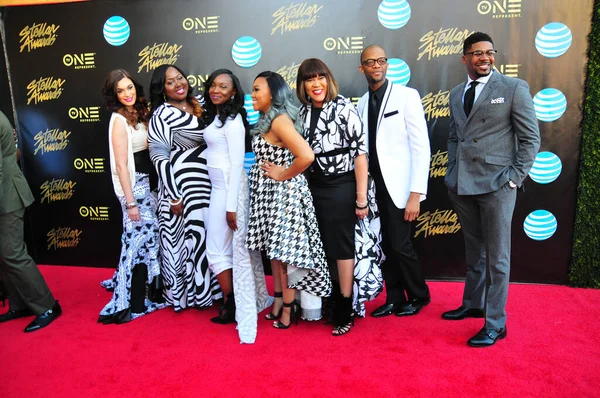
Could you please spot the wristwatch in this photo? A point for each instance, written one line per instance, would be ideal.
(512, 184)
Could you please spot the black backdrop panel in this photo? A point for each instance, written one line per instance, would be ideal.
(64, 127)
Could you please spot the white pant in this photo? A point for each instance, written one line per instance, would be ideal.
(219, 237)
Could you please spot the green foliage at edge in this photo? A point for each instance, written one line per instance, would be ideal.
(585, 263)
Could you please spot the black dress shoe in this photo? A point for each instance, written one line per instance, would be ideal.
(487, 337)
(15, 314)
(45, 318)
(412, 307)
(462, 313)
(386, 309)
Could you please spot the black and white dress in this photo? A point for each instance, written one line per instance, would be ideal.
(139, 240)
(177, 146)
(336, 137)
(282, 221)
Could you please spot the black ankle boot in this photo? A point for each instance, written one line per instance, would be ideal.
(139, 277)
(226, 312)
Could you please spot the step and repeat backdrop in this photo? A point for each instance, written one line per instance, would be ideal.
(60, 55)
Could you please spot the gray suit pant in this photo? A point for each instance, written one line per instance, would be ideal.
(24, 283)
(486, 225)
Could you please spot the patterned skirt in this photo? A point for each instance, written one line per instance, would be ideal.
(139, 246)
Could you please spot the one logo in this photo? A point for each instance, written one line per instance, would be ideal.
(202, 25)
(55, 190)
(500, 8)
(246, 51)
(80, 61)
(540, 225)
(63, 237)
(153, 56)
(44, 89)
(86, 114)
(398, 71)
(37, 36)
(546, 168)
(549, 104)
(499, 100)
(436, 105)
(344, 45)
(354, 101)
(249, 160)
(252, 115)
(289, 73)
(511, 70)
(553, 40)
(89, 165)
(116, 31)
(51, 140)
(439, 164)
(437, 222)
(294, 17)
(197, 81)
(94, 213)
(443, 42)
(393, 14)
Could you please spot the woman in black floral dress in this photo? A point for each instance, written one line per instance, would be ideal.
(338, 176)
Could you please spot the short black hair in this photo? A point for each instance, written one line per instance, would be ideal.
(475, 37)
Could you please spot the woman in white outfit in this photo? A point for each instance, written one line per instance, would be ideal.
(225, 161)
(225, 136)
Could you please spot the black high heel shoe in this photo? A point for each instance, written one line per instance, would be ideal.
(226, 312)
(271, 316)
(294, 312)
(343, 316)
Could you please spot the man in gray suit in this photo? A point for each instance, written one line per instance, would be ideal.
(28, 293)
(492, 143)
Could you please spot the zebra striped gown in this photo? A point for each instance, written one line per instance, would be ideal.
(176, 143)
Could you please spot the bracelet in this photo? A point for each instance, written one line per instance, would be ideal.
(358, 204)
(131, 205)
(176, 202)
(362, 207)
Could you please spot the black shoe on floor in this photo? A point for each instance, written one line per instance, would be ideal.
(12, 314)
(44, 319)
(413, 306)
(386, 309)
(487, 337)
(462, 313)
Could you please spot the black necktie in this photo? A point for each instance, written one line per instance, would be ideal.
(373, 116)
(470, 98)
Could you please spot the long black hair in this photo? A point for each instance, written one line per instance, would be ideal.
(157, 89)
(229, 109)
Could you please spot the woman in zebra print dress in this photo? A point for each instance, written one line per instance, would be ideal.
(176, 142)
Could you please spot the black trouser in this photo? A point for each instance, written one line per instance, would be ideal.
(401, 270)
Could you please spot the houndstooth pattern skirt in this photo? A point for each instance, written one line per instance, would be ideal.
(283, 222)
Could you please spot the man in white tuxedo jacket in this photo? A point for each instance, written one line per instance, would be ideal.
(492, 143)
(399, 156)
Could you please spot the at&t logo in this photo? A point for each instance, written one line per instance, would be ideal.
(197, 81)
(344, 45)
(80, 61)
(202, 25)
(85, 114)
(89, 165)
(94, 213)
(500, 8)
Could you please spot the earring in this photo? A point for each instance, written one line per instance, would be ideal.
(231, 99)
(164, 97)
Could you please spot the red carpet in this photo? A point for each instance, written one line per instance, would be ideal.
(552, 350)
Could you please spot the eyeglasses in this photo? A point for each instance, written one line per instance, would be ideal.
(371, 61)
(479, 54)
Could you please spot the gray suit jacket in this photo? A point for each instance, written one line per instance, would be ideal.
(499, 140)
(14, 191)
